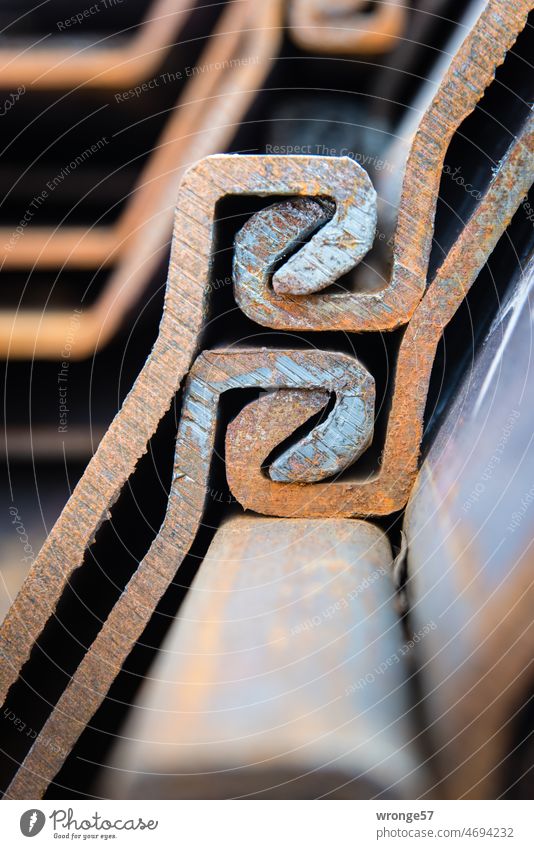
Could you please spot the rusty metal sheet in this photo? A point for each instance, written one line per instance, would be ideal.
(346, 26)
(470, 554)
(388, 490)
(284, 676)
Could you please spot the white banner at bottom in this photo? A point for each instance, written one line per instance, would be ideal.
(268, 824)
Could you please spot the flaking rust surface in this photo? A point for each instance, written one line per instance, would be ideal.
(185, 309)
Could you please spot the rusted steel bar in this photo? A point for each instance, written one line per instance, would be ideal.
(284, 675)
(345, 431)
(185, 306)
(389, 489)
(470, 553)
(203, 123)
(346, 26)
(96, 64)
(462, 86)
(389, 184)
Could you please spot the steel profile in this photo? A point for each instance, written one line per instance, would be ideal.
(213, 372)
(389, 489)
(28, 334)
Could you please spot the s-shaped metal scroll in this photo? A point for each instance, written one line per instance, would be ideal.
(329, 447)
(389, 488)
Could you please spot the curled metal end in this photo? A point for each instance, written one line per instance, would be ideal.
(333, 445)
(340, 245)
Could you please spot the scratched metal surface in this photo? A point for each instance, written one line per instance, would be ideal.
(329, 448)
(470, 533)
(186, 306)
(204, 184)
(284, 675)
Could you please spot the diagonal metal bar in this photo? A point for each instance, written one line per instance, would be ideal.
(213, 373)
